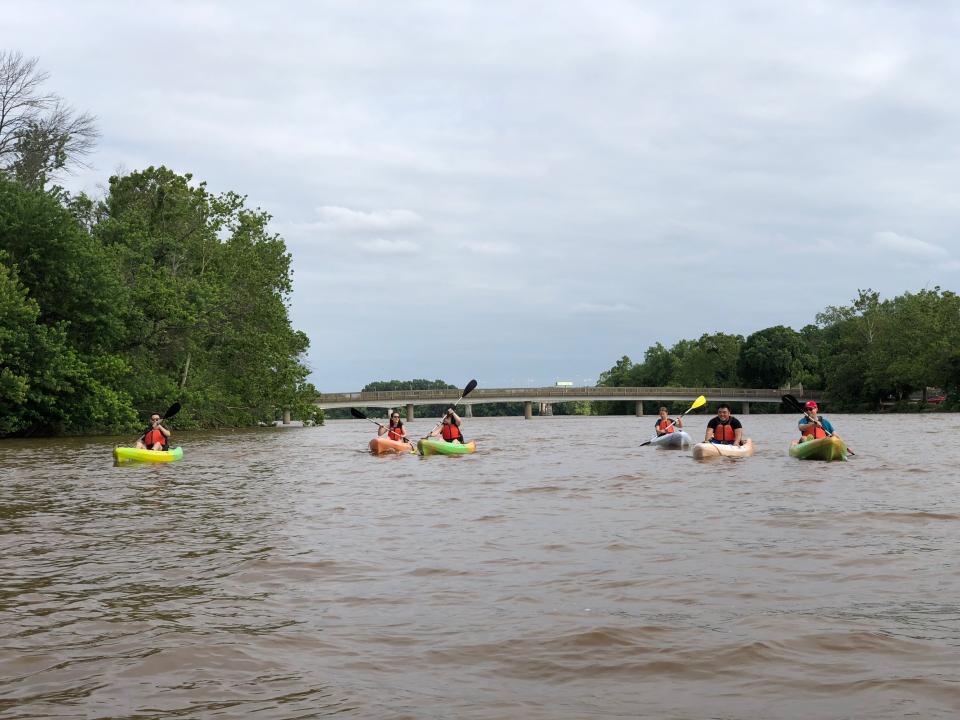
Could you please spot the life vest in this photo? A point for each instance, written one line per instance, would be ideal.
(665, 426)
(450, 432)
(812, 430)
(396, 433)
(724, 434)
(153, 436)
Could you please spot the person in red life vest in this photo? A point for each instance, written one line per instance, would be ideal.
(449, 428)
(724, 429)
(809, 427)
(156, 437)
(665, 425)
(396, 431)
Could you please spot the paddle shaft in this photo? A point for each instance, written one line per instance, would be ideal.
(361, 416)
(699, 402)
(792, 401)
(466, 391)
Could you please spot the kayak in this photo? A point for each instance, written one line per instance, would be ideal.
(828, 448)
(381, 445)
(434, 446)
(121, 454)
(678, 440)
(705, 450)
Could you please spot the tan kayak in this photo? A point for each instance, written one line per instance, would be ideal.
(705, 451)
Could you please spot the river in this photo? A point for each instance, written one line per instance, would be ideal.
(557, 573)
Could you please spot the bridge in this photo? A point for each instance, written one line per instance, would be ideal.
(547, 396)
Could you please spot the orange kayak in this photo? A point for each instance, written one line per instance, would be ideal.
(381, 445)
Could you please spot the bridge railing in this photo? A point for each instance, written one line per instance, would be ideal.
(560, 393)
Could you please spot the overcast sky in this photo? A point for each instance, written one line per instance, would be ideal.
(523, 192)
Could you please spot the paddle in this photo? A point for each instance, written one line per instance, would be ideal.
(699, 402)
(795, 404)
(171, 411)
(466, 391)
(360, 416)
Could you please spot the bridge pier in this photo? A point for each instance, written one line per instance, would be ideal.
(468, 411)
(546, 409)
(527, 410)
(746, 409)
(409, 412)
(639, 408)
(286, 416)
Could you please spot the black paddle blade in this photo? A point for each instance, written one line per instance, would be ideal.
(791, 401)
(469, 388)
(171, 411)
(358, 415)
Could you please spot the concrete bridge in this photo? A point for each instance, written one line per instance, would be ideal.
(547, 396)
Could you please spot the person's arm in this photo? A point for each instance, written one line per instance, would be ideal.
(382, 430)
(163, 430)
(738, 436)
(828, 426)
(709, 434)
(453, 414)
(679, 422)
(656, 429)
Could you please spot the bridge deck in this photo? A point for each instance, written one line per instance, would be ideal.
(395, 398)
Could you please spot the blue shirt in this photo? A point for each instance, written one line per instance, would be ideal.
(823, 421)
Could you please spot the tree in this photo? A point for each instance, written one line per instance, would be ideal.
(40, 135)
(774, 357)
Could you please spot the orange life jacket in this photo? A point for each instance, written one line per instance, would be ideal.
(450, 432)
(724, 434)
(665, 426)
(396, 433)
(153, 436)
(813, 430)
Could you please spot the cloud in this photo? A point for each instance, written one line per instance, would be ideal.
(390, 247)
(489, 248)
(602, 308)
(342, 219)
(892, 241)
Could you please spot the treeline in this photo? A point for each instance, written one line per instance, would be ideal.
(115, 307)
(862, 356)
(112, 309)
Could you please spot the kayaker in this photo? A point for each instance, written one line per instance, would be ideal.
(155, 437)
(724, 429)
(396, 431)
(665, 425)
(449, 428)
(808, 424)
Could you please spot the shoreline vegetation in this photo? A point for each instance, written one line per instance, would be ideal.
(114, 307)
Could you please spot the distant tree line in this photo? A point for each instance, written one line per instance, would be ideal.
(863, 356)
(115, 307)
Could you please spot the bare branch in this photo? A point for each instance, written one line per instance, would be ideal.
(40, 135)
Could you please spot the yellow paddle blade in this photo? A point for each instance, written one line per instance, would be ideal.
(699, 402)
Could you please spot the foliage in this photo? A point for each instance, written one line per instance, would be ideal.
(870, 354)
(159, 291)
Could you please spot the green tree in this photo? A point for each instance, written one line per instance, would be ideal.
(774, 357)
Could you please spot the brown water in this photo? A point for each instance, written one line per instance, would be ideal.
(555, 574)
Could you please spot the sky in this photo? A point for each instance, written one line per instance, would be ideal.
(523, 192)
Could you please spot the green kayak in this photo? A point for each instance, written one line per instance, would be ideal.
(828, 448)
(434, 446)
(137, 455)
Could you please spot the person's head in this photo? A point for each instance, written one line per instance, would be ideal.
(664, 412)
(811, 407)
(154, 417)
(395, 419)
(723, 411)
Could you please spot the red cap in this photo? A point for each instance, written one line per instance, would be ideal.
(811, 405)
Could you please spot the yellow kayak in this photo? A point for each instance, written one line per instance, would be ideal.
(122, 454)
